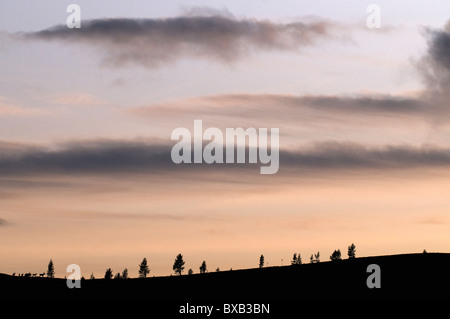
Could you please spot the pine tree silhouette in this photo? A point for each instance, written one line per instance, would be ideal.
(51, 269)
(261, 261)
(178, 265)
(294, 259)
(143, 268)
(351, 251)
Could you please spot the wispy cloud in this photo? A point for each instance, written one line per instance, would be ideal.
(140, 216)
(261, 103)
(430, 105)
(3, 222)
(74, 99)
(437, 220)
(152, 42)
(10, 108)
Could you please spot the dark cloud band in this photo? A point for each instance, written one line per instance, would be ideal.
(151, 42)
(100, 157)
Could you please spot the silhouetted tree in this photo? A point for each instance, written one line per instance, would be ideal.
(92, 276)
(125, 273)
(117, 276)
(51, 269)
(143, 269)
(178, 265)
(190, 271)
(108, 273)
(424, 251)
(351, 251)
(217, 269)
(203, 267)
(296, 260)
(261, 261)
(336, 255)
(311, 259)
(317, 257)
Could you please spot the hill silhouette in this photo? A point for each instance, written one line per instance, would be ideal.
(406, 276)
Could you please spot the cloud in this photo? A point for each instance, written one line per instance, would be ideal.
(10, 108)
(74, 99)
(152, 42)
(369, 104)
(258, 103)
(434, 220)
(434, 69)
(110, 157)
(147, 216)
(331, 155)
(431, 104)
(89, 157)
(301, 118)
(435, 65)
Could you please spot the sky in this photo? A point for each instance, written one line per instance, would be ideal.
(86, 117)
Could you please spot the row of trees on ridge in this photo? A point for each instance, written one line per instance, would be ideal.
(178, 265)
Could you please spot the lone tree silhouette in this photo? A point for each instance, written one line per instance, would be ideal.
(143, 268)
(178, 265)
(261, 261)
(317, 257)
(117, 276)
(51, 269)
(125, 273)
(108, 273)
(336, 255)
(190, 271)
(203, 267)
(351, 251)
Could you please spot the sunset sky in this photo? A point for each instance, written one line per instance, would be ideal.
(86, 117)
